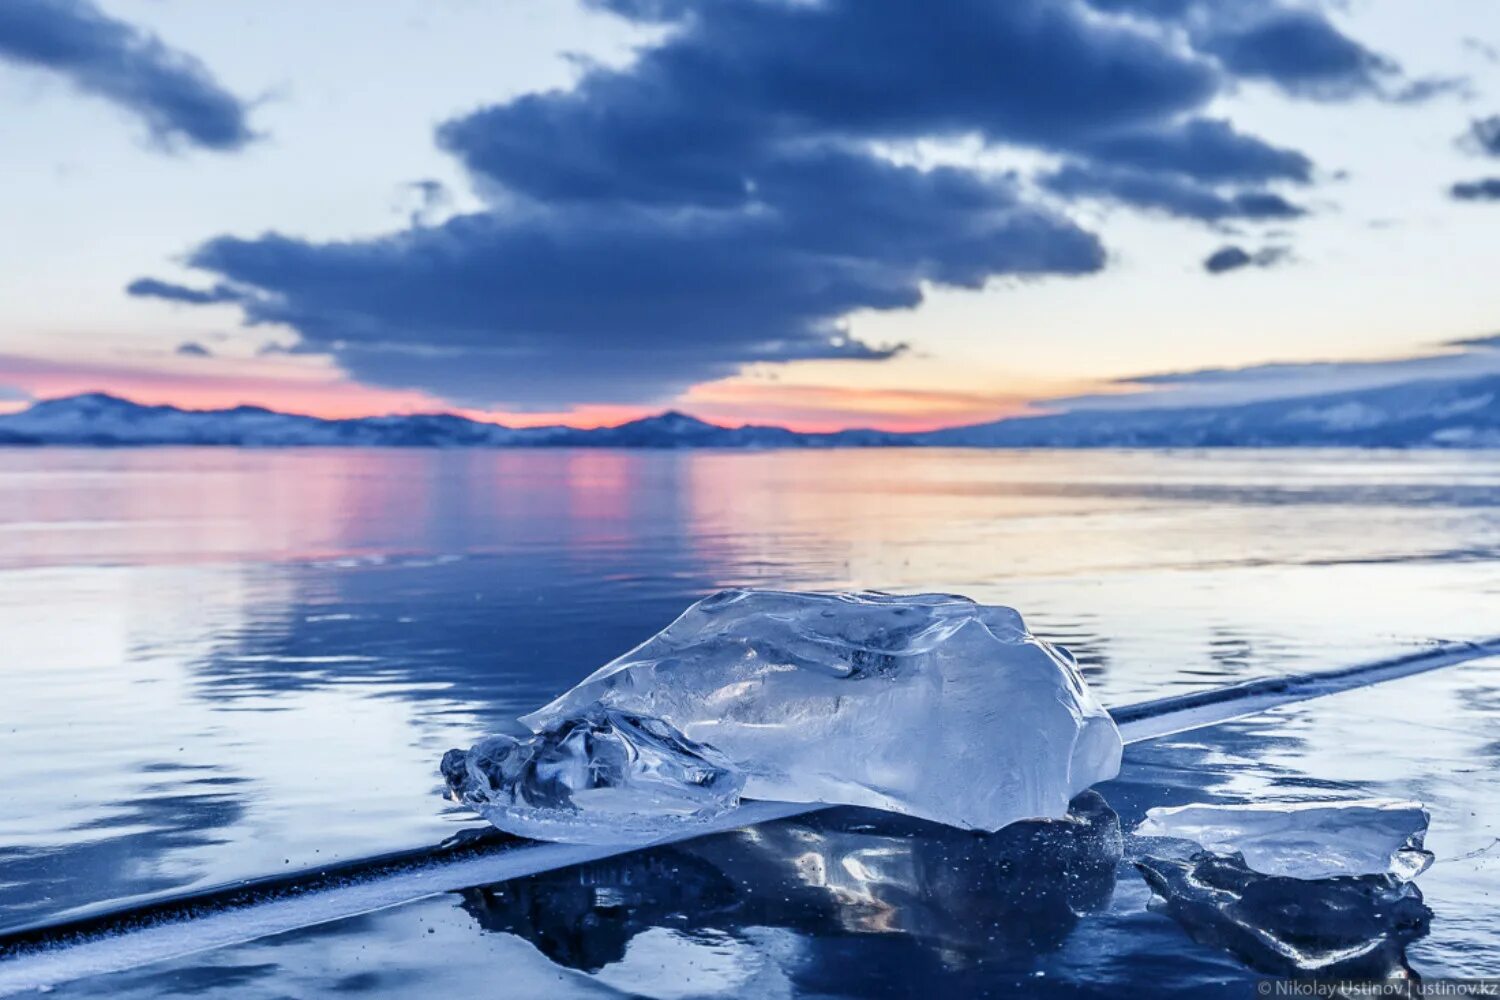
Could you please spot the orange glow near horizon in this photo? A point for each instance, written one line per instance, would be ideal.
(312, 387)
(292, 389)
(288, 386)
(584, 417)
(819, 408)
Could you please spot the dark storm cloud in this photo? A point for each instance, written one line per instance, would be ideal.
(1484, 189)
(1293, 47)
(1232, 258)
(719, 201)
(743, 78)
(1299, 51)
(529, 308)
(173, 93)
(1158, 9)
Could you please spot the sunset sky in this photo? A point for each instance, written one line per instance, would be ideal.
(821, 213)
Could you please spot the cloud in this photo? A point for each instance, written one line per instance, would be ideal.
(1202, 149)
(1294, 48)
(1429, 87)
(1483, 189)
(1174, 10)
(151, 288)
(170, 91)
(1489, 340)
(1483, 135)
(571, 303)
(1232, 258)
(1165, 193)
(1227, 259)
(1468, 358)
(720, 201)
(1484, 50)
(424, 201)
(741, 77)
(193, 349)
(1301, 52)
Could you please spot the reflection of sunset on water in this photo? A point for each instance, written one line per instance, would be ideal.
(366, 609)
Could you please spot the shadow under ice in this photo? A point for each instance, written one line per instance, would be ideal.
(889, 900)
(899, 889)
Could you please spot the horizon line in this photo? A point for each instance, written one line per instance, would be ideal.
(460, 413)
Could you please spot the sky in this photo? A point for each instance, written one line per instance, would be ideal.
(818, 213)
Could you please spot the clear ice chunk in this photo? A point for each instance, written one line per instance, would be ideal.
(634, 779)
(1349, 927)
(929, 705)
(1306, 840)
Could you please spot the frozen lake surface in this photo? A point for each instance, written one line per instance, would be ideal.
(849, 902)
(224, 664)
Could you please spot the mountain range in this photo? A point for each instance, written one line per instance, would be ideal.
(1450, 413)
(99, 419)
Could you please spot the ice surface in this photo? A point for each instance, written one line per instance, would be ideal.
(1307, 840)
(928, 705)
(1346, 927)
(635, 779)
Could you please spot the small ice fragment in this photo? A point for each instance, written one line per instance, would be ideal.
(605, 777)
(1307, 840)
(1352, 927)
(928, 705)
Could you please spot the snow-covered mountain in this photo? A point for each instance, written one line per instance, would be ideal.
(100, 419)
(1463, 413)
(1436, 413)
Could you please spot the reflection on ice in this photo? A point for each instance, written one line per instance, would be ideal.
(217, 601)
(877, 888)
(1346, 927)
(886, 885)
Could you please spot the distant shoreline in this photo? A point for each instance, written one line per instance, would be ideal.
(1447, 414)
(29, 446)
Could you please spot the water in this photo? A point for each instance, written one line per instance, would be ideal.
(226, 663)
